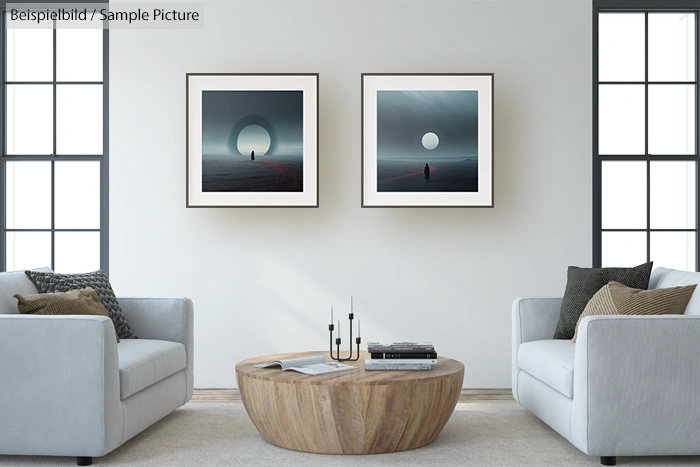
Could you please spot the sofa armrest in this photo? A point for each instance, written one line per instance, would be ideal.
(533, 319)
(59, 386)
(167, 319)
(636, 383)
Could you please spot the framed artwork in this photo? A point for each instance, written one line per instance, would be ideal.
(252, 140)
(427, 140)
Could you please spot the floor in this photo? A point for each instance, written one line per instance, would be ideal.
(479, 434)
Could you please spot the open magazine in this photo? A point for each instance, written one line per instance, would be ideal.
(309, 365)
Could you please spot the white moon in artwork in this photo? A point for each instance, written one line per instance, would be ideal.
(430, 140)
(253, 138)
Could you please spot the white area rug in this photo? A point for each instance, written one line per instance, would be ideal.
(221, 434)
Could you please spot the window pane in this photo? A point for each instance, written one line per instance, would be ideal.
(671, 47)
(675, 250)
(28, 250)
(79, 119)
(621, 47)
(671, 119)
(79, 54)
(624, 195)
(30, 119)
(624, 249)
(621, 119)
(673, 195)
(77, 252)
(29, 54)
(77, 195)
(28, 195)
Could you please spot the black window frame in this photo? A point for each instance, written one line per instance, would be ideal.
(643, 6)
(103, 158)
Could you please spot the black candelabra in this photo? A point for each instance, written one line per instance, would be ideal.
(331, 327)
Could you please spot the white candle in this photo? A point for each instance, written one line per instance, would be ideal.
(337, 331)
(350, 303)
(358, 328)
(331, 318)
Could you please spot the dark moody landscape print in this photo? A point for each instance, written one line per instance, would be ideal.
(427, 141)
(252, 141)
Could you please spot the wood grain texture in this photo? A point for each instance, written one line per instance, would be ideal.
(353, 412)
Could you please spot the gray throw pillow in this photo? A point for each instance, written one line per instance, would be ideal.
(583, 283)
(47, 282)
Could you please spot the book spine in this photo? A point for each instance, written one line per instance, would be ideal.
(400, 349)
(406, 361)
(400, 355)
(397, 367)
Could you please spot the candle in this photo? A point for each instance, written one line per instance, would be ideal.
(331, 318)
(358, 328)
(337, 331)
(350, 303)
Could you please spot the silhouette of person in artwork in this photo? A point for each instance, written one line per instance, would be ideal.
(252, 155)
(426, 171)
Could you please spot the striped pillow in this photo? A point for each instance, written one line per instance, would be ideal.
(618, 299)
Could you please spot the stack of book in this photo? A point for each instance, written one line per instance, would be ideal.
(400, 356)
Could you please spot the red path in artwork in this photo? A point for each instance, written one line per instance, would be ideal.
(285, 175)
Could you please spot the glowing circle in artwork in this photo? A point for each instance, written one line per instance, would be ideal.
(430, 140)
(253, 138)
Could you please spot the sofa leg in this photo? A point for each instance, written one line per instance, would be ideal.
(608, 460)
(88, 461)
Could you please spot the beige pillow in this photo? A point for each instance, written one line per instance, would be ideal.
(618, 299)
(76, 302)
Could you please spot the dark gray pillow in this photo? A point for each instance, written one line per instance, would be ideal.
(48, 282)
(583, 283)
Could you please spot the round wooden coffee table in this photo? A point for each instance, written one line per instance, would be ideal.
(351, 412)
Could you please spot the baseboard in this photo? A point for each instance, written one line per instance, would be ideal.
(467, 395)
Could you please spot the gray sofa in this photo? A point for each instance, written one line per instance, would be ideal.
(68, 389)
(627, 387)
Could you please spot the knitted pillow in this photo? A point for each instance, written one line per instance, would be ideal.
(583, 283)
(47, 282)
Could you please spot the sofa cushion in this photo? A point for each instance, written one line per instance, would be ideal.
(550, 361)
(12, 283)
(144, 362)
(662, 278)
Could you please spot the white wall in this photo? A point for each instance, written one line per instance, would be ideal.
(262, 279)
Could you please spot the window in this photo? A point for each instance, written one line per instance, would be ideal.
(54, 149)
(645, 142)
